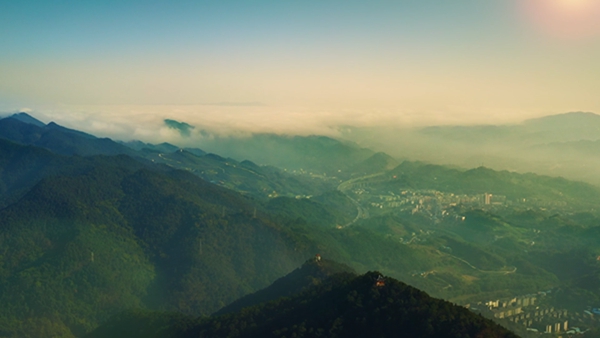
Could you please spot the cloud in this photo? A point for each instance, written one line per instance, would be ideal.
(190, 125)
(238, 104)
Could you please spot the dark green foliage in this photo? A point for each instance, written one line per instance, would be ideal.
(579, 272)
(21, 167)
(109, 233)
(79, 248)
(365, 249)
(310, 211)
(143, 324)
(338, 205)
(83, 238)
(481, 221)
(480, 258)
(244, 176)
(312, 272)
(73, 282)
(162, 147)
(593, 333)
(350, 306)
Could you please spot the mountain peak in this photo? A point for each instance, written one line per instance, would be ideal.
(347, 305)
(568, 120)
(312, 272)
(26, 118)
(378, 162)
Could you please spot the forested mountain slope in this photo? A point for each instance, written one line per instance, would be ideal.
(353, 306)
(312, 272)
(321, 299)
(26, 130)
(78, 248)
(98, 235)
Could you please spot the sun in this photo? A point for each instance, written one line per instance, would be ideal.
(573, 5)
(572, 19)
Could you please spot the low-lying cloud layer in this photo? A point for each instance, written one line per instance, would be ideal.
(565, 145)
(147, 123)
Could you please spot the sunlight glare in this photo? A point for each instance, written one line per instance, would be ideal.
(565, 19)
(573, 5)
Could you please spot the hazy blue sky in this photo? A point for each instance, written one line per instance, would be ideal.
(308, 62)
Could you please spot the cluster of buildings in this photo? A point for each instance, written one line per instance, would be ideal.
(528, 311)
(433, 203)
(436, 204)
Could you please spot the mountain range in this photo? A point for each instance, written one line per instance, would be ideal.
(91, 227)
(557, 145)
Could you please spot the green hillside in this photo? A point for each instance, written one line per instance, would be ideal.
(85, 246)
(85, 238)
(114, 234)
(244, 176)
(313, 272)
(353, 306)
(332, 302)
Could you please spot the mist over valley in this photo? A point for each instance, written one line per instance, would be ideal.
(201, 229)
(300, 169)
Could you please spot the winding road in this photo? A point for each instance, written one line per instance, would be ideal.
(504, 272)
(361, 212)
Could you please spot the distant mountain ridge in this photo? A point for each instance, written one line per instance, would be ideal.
(555, 145)
(418, 175)
(583, 120)
(162, 147)
(554, 128)
(24, 129)
(317, 154)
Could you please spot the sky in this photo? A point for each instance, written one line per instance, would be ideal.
(122, 67)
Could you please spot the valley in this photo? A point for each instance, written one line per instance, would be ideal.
(188, 231)
(288, 169)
